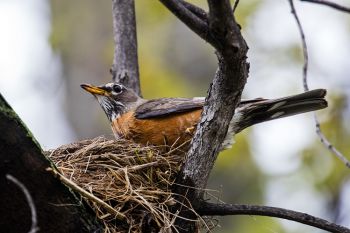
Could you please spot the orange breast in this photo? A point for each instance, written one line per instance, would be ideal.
(174, 130)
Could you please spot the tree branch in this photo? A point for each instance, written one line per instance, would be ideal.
(190, 15)
(304, 45)
(211, 209)
(319, 132)
(223, 96)
(199, 12)
(235, 5)
(330, 4)
(125, 67)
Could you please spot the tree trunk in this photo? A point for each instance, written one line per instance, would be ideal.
(31, 197)
(125, 68)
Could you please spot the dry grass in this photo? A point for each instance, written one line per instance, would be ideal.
(126, 184)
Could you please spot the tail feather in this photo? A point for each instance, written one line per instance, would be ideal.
(265, 110)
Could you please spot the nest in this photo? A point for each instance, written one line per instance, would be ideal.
(127, 185)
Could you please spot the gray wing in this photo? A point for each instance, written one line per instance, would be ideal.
(165, 106)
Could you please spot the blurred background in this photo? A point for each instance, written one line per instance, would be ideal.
(48, 48)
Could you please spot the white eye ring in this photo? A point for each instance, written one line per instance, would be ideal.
(117, 88)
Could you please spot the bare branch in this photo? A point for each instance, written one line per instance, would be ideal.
(319, 132)
(223, 96)
(235, 5)
(328, 144)
(303, 41)
(211, 209)
(34, 227)
(189, 16)
(330, 4)
(199, 12)
(125, 67)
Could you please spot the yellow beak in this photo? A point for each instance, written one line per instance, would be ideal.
(93, 89)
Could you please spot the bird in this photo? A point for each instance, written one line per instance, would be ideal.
(172, 121)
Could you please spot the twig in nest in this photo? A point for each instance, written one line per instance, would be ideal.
(86, 194)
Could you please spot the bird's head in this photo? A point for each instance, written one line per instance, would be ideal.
(115, 99)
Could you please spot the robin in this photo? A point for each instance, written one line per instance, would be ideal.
(172, 121)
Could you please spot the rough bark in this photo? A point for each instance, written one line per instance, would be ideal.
(21, 160)
(223, 33)
(223, 96)
(125, 68)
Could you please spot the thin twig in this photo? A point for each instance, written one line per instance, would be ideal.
(304, 45)
(34, 227)
(319, 132)
(210, 209)
(330, 4)
(329, 145)
(235, 5)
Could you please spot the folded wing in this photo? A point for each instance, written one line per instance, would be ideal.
(166, 106)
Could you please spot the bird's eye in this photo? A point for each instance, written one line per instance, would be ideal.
(117, 88)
